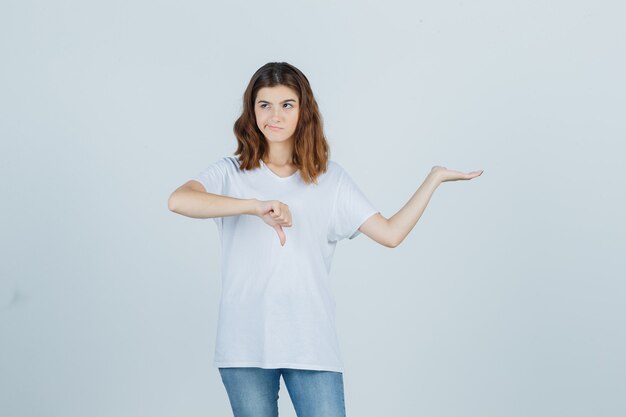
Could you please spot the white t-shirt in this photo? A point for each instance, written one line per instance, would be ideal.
(276, 308)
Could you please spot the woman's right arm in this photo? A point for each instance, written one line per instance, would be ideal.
(192, 200)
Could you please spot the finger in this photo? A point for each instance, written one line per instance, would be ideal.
(281, 234)
(286, 218)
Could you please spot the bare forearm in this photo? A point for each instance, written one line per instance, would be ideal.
(202, 205)
(404, 220)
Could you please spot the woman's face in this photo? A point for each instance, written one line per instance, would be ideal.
(276, 110)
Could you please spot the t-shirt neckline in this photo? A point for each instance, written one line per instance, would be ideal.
(272, 173)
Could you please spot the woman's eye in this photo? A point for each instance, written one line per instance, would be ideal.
(264, 105)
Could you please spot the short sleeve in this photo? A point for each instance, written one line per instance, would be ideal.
(213, 178)
(350, 210)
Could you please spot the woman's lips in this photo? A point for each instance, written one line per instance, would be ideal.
(274, 127)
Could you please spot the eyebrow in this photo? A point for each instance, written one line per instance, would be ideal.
(284, 101)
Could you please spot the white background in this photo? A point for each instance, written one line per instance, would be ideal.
(507, 298)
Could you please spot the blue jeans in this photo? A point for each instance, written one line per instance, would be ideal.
(253, 392)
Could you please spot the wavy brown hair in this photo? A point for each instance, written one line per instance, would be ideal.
(311, 150)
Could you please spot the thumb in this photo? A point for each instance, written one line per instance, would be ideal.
(281, 234)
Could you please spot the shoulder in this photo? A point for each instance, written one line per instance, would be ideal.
(335, 169)
(227, 164)
(231, 162)
(341, 176)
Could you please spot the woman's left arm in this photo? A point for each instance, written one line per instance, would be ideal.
(391, 232)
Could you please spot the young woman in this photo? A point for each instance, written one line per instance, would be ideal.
(281, 205)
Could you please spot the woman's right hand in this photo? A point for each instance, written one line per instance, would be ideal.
(276, 214)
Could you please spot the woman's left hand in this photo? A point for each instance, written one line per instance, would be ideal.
(444, 174)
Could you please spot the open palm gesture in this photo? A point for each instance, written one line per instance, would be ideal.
(444, 174)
